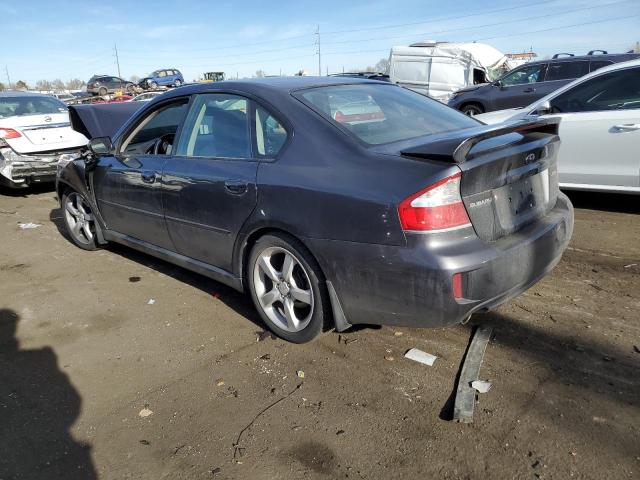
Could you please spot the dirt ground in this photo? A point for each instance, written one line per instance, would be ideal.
(84, 356)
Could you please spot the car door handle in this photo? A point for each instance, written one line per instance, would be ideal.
(148, 177)
(529, 90)
(627, 127)
(236, 187)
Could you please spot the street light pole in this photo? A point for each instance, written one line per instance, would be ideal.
(319, 53)
(115, 48)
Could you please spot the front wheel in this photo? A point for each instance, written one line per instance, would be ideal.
(288, 288)
(79, 220)
(472, 109)
(152, 84)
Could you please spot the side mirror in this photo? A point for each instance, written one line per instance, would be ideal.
(543, 109)
(497, 83)
(100, 146)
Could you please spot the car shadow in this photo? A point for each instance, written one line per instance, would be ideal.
(607, 202)
(25, 192)
(38, 406)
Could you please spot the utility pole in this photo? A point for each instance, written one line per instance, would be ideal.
(115, 48)
(6, 69)
(318, 51)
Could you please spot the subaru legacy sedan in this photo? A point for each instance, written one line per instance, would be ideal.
(406, 212)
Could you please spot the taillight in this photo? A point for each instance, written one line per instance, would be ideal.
(8, 133)
(438, 207)
(456, 284)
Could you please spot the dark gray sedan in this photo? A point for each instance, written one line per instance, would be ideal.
(331, 201)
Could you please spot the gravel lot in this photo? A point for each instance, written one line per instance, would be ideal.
(84, 356)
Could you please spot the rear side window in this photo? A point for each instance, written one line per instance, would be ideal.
(619, 90)
(25, 106)
(378, 114)
(596, 64)
(270, 134)
(566, 70)
(217, 126)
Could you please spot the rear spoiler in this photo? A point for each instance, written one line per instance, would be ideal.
(103, 119)
(455, 147)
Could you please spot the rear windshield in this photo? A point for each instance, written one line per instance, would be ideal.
(24, 106)
(378, 114)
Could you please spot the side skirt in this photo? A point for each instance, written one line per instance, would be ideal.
(183, 261)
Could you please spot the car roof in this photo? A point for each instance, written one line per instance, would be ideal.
(21, 93)
(605, 56)
(273, 84)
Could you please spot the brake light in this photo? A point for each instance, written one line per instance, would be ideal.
(8, 133)
(435, 208)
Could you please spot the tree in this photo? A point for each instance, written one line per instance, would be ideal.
(75, 84)
(22, 85)
(134, 79)
(2, 87)
(43, 85)
(260, 73)
(635, 48)
(382, 66)
(58, 84)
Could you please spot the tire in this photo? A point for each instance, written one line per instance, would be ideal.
(177, 83)
(472, 109)
(102, 91)
(130, 88)
(152, 84)
(295, 303)
(79, 220)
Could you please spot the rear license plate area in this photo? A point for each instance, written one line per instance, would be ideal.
(522, 200)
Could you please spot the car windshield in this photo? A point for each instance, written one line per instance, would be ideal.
(378, 114)
(155, 73)
(24, 106)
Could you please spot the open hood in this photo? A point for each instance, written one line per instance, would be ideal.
(101, 120)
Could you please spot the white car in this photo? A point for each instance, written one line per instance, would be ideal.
(599, 128)
(34, 132)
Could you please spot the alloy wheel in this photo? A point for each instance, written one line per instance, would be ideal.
(283, 289)
(79, 218)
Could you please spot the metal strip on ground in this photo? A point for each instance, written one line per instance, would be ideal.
(465, 395)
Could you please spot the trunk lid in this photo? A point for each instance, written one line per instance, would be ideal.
(509, 173)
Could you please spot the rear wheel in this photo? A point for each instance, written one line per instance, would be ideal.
(102, 91)
(288, 288)
(177, 83)
(472, 109)
(79, 220)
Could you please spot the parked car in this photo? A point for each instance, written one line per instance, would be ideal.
(169, 77)
(145, 97)
(437, 69)
(64, 97)
(106, 84)
(420, 219)
(531, 81)
(599, 127)
(34, 132)
(383, 77)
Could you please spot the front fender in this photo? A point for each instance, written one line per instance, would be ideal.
(74, 175)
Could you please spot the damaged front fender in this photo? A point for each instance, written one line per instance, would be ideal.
(75, 175)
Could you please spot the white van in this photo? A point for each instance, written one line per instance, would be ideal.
(438, 69)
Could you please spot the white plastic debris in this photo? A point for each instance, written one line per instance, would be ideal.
(28, 226)
(482, 386)
(420, 356)
(145, 412)
(151, 301)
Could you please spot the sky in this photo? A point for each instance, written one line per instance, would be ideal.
(49, 39)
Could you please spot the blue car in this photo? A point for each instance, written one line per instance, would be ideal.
(168, 77)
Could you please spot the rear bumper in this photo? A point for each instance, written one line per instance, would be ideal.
(412, 285)
(19, 171)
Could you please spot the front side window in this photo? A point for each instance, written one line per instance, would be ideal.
(619, 90)
(270, 134)
(162, 73)
(217, 126)
(378, 114)
(523, 75)
(156, 133)
(566, 70)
